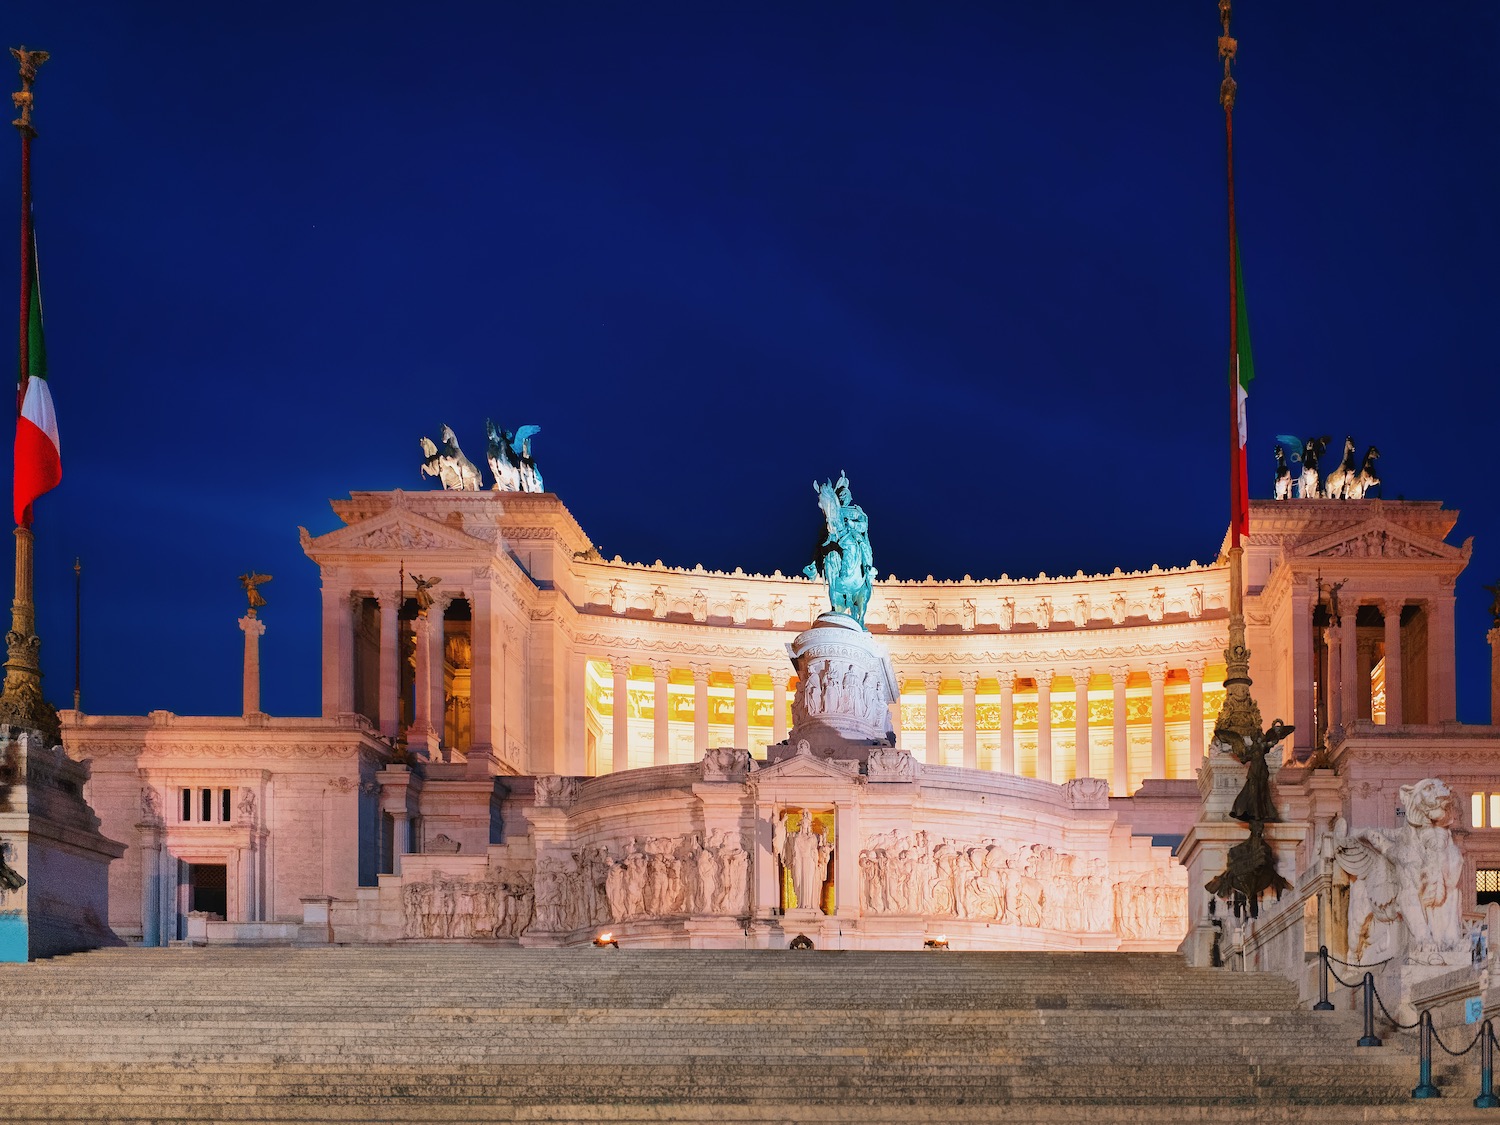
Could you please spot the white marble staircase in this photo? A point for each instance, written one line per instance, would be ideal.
(473, 1034)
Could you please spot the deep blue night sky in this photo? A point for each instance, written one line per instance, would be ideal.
(973, 254)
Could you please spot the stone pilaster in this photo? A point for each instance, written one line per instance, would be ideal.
(1083, 764)
(1119, 677)
(1158, 673)
(661, 753)
(1044, 724)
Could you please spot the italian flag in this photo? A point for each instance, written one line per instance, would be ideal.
(38, 454)
(1240, 378)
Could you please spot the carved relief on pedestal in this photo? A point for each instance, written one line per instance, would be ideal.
(674, 876)
(805, 852)
(442, 906)
(555, 792)
(726, 763)
(890, 764)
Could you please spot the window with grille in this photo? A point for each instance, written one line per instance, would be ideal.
(1487, 885)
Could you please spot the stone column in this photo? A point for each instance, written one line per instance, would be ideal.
(390, 651)
(778, 706)
(1007, 681)
(254, 629)
(620, 714)
(1195, 668)
(741, 708)
(435, 638)
(1441, 706)
(1303, 671)
(1391, 609)
(1348, 673)
(1363, 671)
(422, 735)
(1119, 676)
(1044, 724)
(1493, 636)
(932, 681)
(1158, 673)
(149, 834)
(401, 845)
(487, 740)
(661, 712)
(338, 647)
(1083, 765)
(700, 709)
(971, 720)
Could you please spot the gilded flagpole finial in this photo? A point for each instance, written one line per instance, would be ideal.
(1228, 45)
(21, 99)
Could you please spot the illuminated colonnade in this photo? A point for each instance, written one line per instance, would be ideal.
(982, 722)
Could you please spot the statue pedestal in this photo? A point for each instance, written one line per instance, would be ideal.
(51, 839)
(845, 687)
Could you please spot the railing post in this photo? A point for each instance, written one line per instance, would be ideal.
(1369, 1038)
(1425, 1088)
(1486, 1098)
(1323, 1004)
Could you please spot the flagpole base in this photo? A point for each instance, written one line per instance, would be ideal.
(22, 703)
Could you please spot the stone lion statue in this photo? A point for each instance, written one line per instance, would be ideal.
(1404, 882)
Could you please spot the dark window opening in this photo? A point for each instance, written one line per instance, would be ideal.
(224, 805)
(1487, 885)
(207, 806)
(208, 888)
(187, 804)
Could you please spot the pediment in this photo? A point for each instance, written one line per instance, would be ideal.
(396, 529)
(1377, 538)
(808, 767)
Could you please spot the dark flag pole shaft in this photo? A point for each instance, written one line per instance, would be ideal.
(1239, 712)
(21, 701)
(78, 634)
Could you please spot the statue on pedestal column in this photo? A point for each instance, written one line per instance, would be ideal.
(805, 854)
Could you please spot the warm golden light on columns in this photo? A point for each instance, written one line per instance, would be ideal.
(1082, 762)
(1007, 681)
(700, 708)
(932, 681)
(970, 681)
(778, 706)
(1044, 724)
(620, 713)
(1158, 673)
(1195, 668)
(661, 748)
(741, 679)
(1119, 676)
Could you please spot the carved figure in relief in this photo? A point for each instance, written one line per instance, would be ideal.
(1156, 609)
(510, 458)
(833, 690)
(739, 610)
(1336, 484)
(778, 613)
(700, 606)
(970, 616)
(247, 805)
(843, 558)
(1195, 602)
(1044, 613)
(930, 617)
(892, 615)
(1081, 610)
(658, 602)
(1367, 480)
(805, 854)
(1007, 615)
(1119, 609)
(1310, 483)
(618, 602)
(812, 692)
(454, 471)
(252, 583)
(150, 804)
(1405, 882)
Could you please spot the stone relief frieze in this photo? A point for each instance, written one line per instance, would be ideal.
(891, 765)
(725, 763)
(441, 906)
(1032, 885)
(555, 792)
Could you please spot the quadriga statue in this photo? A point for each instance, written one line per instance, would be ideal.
(1404, 882)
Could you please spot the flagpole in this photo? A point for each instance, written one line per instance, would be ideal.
(21, 701)
(1239, 712)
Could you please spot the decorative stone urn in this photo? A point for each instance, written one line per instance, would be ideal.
(845, 686)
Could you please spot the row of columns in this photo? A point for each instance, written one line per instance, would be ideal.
(1087, 764)
(661, 670)
(488, 661)
(1348, 680)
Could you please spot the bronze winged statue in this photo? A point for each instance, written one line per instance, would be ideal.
(252, 583)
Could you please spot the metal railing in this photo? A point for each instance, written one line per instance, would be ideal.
(1427, 1034)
